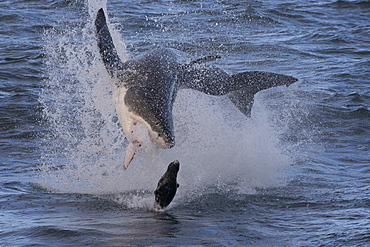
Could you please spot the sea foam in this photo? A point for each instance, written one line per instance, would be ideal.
(218, 147)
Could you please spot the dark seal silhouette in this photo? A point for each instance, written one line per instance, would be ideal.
(167, 186)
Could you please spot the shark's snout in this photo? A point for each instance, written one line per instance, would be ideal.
(170, 145)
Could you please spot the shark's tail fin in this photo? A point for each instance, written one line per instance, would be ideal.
(253, 82)
(256, 81)
(240, 87)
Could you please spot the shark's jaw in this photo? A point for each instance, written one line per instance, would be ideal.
(139, 132)
(141, 135)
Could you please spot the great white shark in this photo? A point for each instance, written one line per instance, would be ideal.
(146, 88)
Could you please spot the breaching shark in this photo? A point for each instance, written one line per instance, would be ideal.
(147, 86)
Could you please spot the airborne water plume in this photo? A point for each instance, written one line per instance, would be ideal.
(216, 144)
(307, 144)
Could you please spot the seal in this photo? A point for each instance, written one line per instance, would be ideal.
(167, 186)
(146, 88)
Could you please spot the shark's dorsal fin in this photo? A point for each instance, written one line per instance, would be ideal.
(205, 59)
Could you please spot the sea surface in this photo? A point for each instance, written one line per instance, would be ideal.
(295, 173)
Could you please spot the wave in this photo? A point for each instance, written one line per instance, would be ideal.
(216, 144)
(351, 4)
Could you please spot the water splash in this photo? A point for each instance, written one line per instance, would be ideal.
(217, 146)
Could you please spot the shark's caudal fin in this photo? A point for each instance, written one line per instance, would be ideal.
(253, 82)
(258, 80)
(240, 87)
(107, 50)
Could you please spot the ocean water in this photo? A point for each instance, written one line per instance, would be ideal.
(296, 173)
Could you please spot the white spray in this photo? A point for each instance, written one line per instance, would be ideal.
(216, 145)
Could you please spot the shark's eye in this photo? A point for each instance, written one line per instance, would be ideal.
(159, 135)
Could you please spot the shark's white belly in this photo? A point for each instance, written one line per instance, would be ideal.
(122, 110)
(136, 129)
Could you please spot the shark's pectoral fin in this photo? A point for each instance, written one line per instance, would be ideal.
(107, 50)
(130, 153)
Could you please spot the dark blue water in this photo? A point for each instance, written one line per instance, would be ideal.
(295, 173)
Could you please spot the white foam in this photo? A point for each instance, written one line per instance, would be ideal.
(217, 146)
